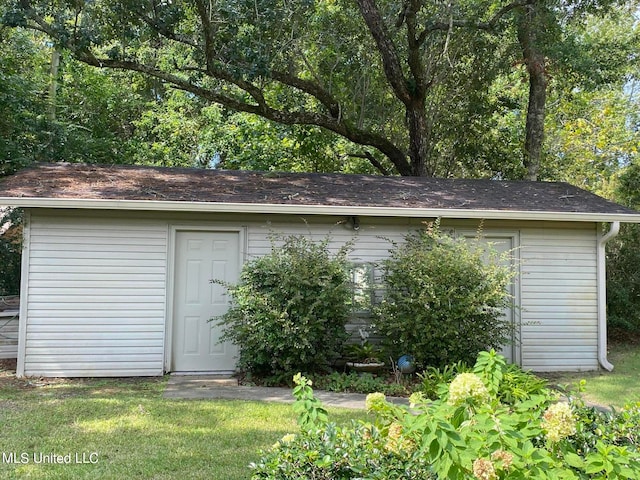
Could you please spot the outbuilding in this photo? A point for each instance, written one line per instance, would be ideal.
(117, 259)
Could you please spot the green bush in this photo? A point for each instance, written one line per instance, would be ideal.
(465, 433)
(623, 280)
(623, 258)
(359, 383)
(443, 303)
(10, 254)
(290, 308)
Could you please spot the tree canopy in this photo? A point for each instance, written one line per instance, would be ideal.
(413, 87)
(399, 80)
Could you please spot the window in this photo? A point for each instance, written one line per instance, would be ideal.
(362, 287)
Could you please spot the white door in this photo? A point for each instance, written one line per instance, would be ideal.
(502, 245)
(201, 256)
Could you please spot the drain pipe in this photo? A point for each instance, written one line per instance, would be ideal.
(602, 296)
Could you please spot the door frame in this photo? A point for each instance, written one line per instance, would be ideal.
(171, 256)
(516, 309)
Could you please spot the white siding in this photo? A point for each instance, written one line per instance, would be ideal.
(371, 242)
(96, 285)
(96, 296)
(559, 299)
(8, 334)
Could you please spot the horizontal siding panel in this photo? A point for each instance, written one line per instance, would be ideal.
(104, 285)
(124, 316)
(141, 351)
(122, 270)
(97, 296)
(558, 318)
(560, 328)
(565, 310)
(558, 289)
(565, 297)
(54, 342)
(575, 352)
(81, 289)
(111, 369)
(98, 301)
(558, 271)
(581, 343)
(107, 322)
(568, 256)
(42, 331)
(94, 359)
(69, 263)
(83, 257)
(89, 306)
(120, 227)
(541, 284)
(9, 327)
(115, 242)
(85, 363)
(569, 276)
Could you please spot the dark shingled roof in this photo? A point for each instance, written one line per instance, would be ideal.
(99, 182)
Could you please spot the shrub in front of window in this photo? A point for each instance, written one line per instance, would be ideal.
(290, 308)
(443, 299)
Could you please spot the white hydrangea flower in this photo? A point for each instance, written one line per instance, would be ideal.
(559, 422)
(467, 385)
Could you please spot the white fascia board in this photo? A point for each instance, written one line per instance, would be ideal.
(274, 208)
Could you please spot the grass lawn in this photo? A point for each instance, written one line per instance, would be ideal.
(615, 388)
(124, 428)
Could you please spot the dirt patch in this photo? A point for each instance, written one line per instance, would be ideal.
(623, 337)
(64, 387)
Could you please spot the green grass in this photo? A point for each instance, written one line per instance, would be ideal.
(615, 388)
(133, 432)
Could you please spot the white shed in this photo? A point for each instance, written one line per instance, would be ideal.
(117, 259)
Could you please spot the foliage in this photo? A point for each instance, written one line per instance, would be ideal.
(398, 84)
(290, 308)
(476, 436)
(435, 380)
(364, 352)
(615, 427)
(359, 383)
(310, 412)
(323, 83)
(439, 290)
(325, 451)
(10, 251)
(623, 258)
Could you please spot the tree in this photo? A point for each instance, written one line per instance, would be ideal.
(385, 76)
(89, 118)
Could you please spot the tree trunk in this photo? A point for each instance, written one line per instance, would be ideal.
(419, 139)
(53, 85)
(535, 62)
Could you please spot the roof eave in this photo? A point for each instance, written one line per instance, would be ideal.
(271, 208)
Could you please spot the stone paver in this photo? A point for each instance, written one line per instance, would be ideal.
(202, 387)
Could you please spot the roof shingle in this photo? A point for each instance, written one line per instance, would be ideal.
(99, 182)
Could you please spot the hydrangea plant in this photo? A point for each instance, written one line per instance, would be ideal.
(467, 433)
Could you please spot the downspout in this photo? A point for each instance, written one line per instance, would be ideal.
(602, 296)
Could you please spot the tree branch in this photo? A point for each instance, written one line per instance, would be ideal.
(489, 25)
(257, 104)
(311, 88)
(373, 161)
(390, 59)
